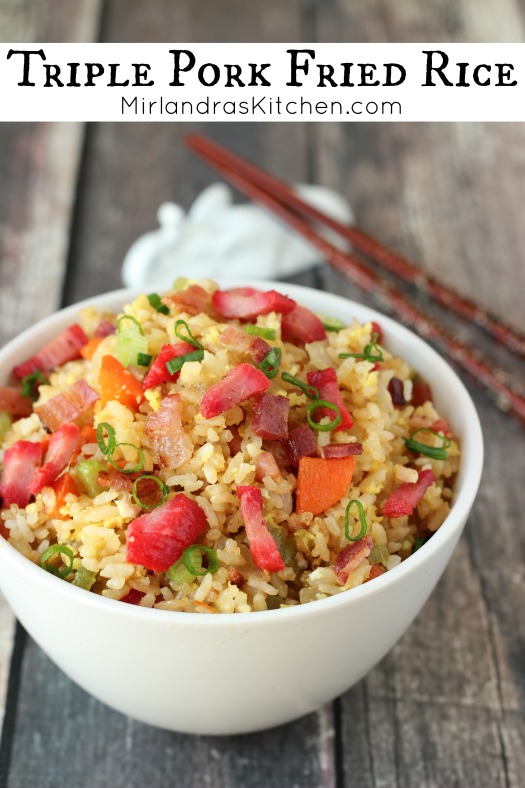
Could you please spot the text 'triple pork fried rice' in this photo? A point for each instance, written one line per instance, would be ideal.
(220, 451)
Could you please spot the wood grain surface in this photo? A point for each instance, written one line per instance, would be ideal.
(446, 706)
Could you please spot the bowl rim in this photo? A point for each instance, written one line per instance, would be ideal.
(450, 529)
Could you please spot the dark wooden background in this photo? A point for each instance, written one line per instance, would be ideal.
(446, 706)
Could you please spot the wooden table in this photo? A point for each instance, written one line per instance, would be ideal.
(446, 706)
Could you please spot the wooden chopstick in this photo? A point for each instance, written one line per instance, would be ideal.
(367, 246)
(494, 381)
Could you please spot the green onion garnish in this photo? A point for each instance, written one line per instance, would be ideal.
(192, 559)
(136, 468)
(435, 452)
(362, 518)
(133, 320)
(178, 574)
(188, 337)
(333, 323)
(130, 345)
(46, 555)
(379, 554)
(322, 403)
(84, 578)
(136, 495)
(174, 364)
(144, 359)
(260, 331)
(418, 543)
(368, 352)
(30, 382)
(88, 471)
(180, 283)
(156, 303)
(270, 363)
(310, 391)
(109, 447)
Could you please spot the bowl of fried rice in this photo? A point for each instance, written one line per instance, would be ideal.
(222, 505)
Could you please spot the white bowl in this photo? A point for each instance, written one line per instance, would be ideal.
(230, 674)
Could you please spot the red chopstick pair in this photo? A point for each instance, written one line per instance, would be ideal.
(279, 198)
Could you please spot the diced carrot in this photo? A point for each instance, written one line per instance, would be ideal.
(88, 434)
(63, 486)
(117, 383)
(375, 571)
(321, 483)
(88, 350)
(204, 607)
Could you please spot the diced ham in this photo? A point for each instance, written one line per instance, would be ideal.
(158, 538)
(62, 444)
(158, 372)
(240, 383)
(270, 416)
(302, 443)
(104, 329)
(350, 557)
(171, 445)
(20, 463)
(64, 347)
(68, 406)
(337, 450)
(281, 453)
(376, 329)
(301, 325)
(262, 545)
(245, 343)
(246, 303)
(405, 498)
(266, 465)
(396, 390)
(235, 444)
(436, 425)
(325, 380)
(421, 393)
(193, 300)
(12, 401)
(133, 597)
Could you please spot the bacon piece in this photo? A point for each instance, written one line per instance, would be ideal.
(302, 443)
(62, 444)
(280, 451)
(405, 498)
(193, 300)
(301, 325)
(266, 465)
(12, 401)
(337, 450)
(270, 416)
(240, 383)
(251, 345)
(397, 392)
(148, 489)
(262, 545)
(158, 372)
(350, 557)
(68, 406)
(325, 380)
(20, 464)
(104, 329)
(64, 347)
(247, 303)
(171, 445)
(421, 393)
(158, 538)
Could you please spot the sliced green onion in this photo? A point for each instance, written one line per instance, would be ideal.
(332, 323)
(192, 559)
(180, 283)
(310, 391)
(188, 337)
(130, 345)
(362, 518)
(156, 303)
(419, 541)
(136, 468)
(174, 364)
(133, 320)
(136, 495)
(368, 352)
(30, 383)
(178, 574)
(322, 403)
(286, 546)
(84, 578)
(271, 362)
(46, 555)
(379, 554)
(435, 452)
(144, 359)
(6, 421)
(109, 447)
(260, 331)
(88, 471)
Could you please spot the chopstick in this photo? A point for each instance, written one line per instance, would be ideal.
(261, 187)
